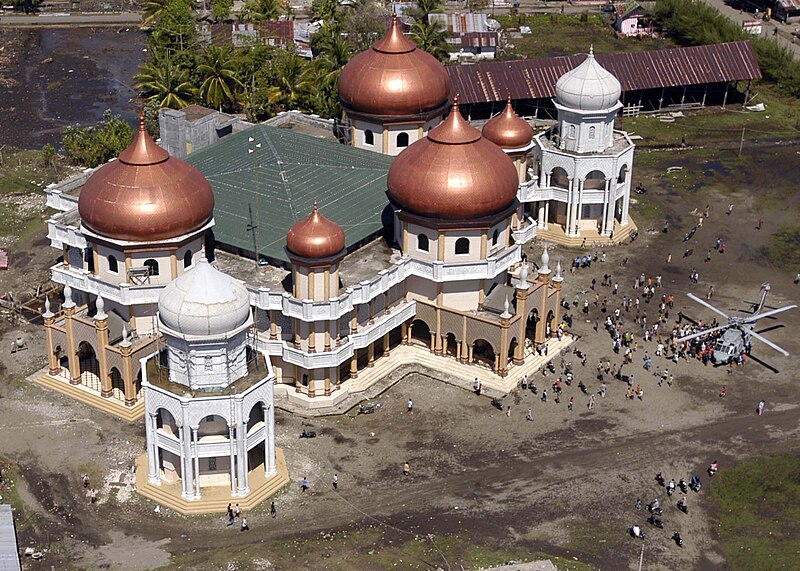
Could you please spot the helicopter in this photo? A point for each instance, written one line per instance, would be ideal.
(736, 334)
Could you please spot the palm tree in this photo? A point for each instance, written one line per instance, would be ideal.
(291, 78)
(164, 83)
(218, 71)
(261, 10)
(431, 37)
(152, 11)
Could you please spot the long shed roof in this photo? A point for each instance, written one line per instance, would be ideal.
(536, 78)
(279, 181)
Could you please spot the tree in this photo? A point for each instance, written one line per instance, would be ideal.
(364, 23)
(152, 11)
(334, 51)
(431, 37)
(291, 79)
(261, 10)
(423, 8)
(175, 27)
(218, 71)
(49, 156)
(221, 10)
(324, 10)
(95, 145)
(165, 84)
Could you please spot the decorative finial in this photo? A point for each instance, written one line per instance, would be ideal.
(506, 307)
(523, 273)
(47, 313)
(125, 341)
(455, 102)
(68, 297)
(591, 50)
(544, 267)
(100, 304)
(315, 205)
(558, 277)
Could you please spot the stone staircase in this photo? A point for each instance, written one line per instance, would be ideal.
(213, 499)
(87, 396)
(555, 234)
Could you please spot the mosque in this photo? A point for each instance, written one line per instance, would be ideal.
(150, 327)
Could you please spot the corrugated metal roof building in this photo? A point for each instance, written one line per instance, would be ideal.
(9, 553)
(655, 77)
(279, 181)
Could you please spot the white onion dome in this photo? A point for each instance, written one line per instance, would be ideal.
(588, 87)
(204, 301)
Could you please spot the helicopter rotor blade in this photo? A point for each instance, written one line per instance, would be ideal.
(701, 333)
(769, 313)
(770, 343)
(708, 305)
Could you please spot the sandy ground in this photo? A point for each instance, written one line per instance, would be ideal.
(564, 484)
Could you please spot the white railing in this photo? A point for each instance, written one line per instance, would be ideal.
(526, 233)
(366, 335)
(482, 269)
(60, 234)
(125, 294)
(527, 190)
(167, 442)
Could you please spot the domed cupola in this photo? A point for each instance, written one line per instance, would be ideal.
(315, 237)
(204, 302)
(394, 78)
(508, 130)
(453, 173)
(588, 87)
(145, 195)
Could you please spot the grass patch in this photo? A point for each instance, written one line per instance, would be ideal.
(783, 248)
(568, 34)
(758, 505)
(23, 515)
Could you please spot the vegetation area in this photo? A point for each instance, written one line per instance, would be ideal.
(758, 505)
(697, 23)
(568, 34)
(185, 67)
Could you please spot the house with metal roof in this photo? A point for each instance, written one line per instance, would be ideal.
(9, 552)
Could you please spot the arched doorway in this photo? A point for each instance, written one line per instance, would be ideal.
(512, 348)
(551, 325)
(450, 345)
(483, 353)
(117, 384)
(421, 333)
(530, 326)
(165, 422)
(255, 421)
(89, 366)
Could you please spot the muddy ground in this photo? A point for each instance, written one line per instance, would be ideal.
(52, 78)
(564, 484)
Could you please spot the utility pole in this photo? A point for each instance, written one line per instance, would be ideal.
(741, 143)
(252, 227)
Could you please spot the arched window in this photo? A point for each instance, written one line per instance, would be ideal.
(187, 259)
(495, 236)
(113, 265)
(572, 131)
(402, 140)
(462, 246)
(153, 265)
(591, 132)
(369, 138)
(423, 243)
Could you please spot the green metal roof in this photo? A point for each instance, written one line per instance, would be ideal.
(279, 181)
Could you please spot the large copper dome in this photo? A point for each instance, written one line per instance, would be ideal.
(508, 130)
(145, 195)
(394, 78)
(315, 236)
(453, 173)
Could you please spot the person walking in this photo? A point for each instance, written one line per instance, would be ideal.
(508, 412)
(230, 515)
(237, 512)
(410, 407)
(571, 403)
(761, 405)
(335, 482)
(602, 390)
(529, 416)
(93, 496)
(406, 469)
(245, 527)
(591, 402)
(304, 484)
(272, 511)
(723, 392)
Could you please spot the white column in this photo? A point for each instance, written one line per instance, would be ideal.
(232, 443)
(604, 220)
(570, 194)
(626, 199)
(241, 431)
(269, 430)
(542, 219)
(579, 209)
(196, 465)
(153, 476)
(186, 471)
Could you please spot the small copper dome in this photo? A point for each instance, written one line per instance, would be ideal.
(394, 78)
(508, 130)
(453, 173)
(145, 195)
(315, 236)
